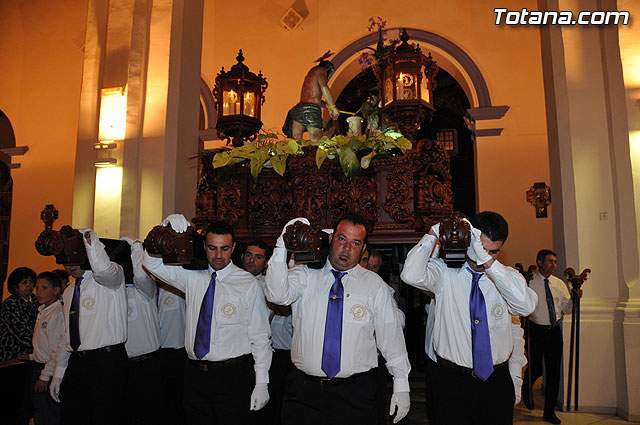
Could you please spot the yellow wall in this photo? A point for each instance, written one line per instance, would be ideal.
(40, 87)
(508, 57)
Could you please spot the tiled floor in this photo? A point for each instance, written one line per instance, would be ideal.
(523, 416)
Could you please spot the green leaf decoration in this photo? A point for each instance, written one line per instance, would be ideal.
(221, 159)
(321, 155)
(349, 161)
(279, 163)
(291, 147)
(366, 160)
(256, 167)
(403, 143)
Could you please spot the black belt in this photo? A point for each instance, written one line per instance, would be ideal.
(465, 370)
(143, 357)
(107, 349)
(546, 327)
(206, 366)
(335, 381)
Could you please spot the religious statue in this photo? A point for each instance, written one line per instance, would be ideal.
(307, 114)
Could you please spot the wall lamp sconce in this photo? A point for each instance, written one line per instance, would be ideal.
(103, 154)
(539, 195)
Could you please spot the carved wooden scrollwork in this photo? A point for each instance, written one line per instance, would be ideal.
(400, 196)
(269, 202)
(230, 198)
(395, 194)
(359, 195)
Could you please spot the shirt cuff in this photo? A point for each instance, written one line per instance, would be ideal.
(262, 376)
(44, 377)
(59, 372)
(401, 385)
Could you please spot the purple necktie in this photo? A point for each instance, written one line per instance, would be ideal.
(333, 328)
(202, 342)
(550, 304)
(480, 342)
(74, 317)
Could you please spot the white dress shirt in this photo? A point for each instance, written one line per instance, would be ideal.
(171, 312)
(368, 307)
(103, 306)
(240, 318)
(47, 333)
(428, 336)
(504, 291)
(281, 326)
(142, 311)
(561, 299)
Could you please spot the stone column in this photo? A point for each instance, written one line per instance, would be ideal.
(594, 215)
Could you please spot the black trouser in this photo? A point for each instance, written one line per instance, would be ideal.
(272, 412)
(218, 393)
(382, 377)
(93, 388)
(143, 390)
(546, 343)
(464, 399)
(430, 388)
(171, 364)
(348, 401)
(45, 410)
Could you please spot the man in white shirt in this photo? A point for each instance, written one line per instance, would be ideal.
(254, 260)
(545, 332)
(171, 314)
(227, 331)
(92, 358)
(472, 336)
(373, 263)
(143, 343)
(342, 313)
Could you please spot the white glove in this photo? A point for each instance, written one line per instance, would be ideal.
(259, 397)
(92, 236)
(436, 229)
(129, 240)
(476, 251)
(54, 389)
(280, 241)
(402, 401)
(177, 222)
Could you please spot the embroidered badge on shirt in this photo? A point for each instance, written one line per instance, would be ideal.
(359, 312)
(44, 325)
(168, 302)
(228, 310)
(498, 311)
(88, 303)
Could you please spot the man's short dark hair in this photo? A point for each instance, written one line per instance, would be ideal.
(374, 253)
(62, 274)
(492, 224)
(260, 244)
(219, 228)
(18, 275)
(354, 218)
(542, 254)
(52, 278)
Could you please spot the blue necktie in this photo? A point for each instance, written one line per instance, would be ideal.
(333, 328)
(550, 305)
(202, 342)
(74, 317)
(480, 342)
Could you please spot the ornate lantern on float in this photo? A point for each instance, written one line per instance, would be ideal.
(407, 79)
(239, 95)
